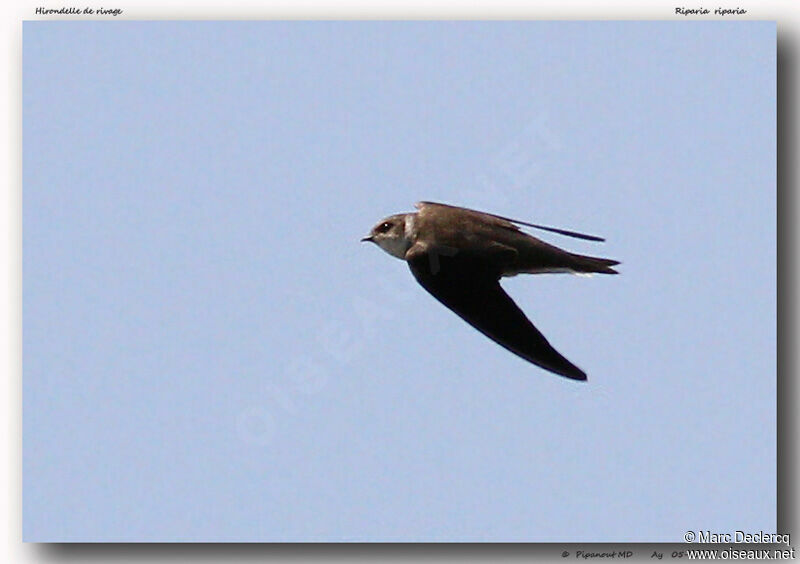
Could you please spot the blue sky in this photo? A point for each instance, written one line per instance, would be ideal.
(210, 353)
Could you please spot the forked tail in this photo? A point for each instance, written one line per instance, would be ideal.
(587, 264)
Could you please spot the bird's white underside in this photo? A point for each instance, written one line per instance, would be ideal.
(550, 271)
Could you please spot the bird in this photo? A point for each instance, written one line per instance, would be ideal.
(459, 256)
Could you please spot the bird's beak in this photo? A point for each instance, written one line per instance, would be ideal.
(367, 238)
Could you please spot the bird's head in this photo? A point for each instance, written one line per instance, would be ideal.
(390, 235)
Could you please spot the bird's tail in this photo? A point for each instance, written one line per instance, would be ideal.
(585, 264)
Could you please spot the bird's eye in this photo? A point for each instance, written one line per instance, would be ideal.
(384, 227)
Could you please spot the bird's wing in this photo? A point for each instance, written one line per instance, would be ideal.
(507, 222)
(470, 287)
(466, 213)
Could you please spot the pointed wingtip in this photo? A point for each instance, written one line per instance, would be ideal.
(578, 375)
(565, 369)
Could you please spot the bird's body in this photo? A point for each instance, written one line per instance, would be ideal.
(459, 255)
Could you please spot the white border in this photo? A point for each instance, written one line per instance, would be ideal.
(785, 12)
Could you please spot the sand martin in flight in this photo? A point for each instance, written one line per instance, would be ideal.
(459, 256)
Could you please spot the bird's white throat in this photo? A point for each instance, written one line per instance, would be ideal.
(398, 246)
